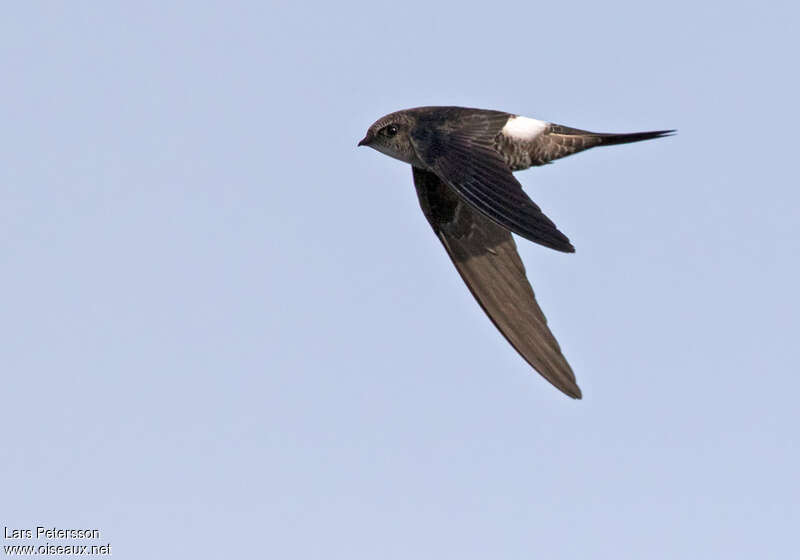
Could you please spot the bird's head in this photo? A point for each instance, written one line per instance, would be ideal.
(390, 135)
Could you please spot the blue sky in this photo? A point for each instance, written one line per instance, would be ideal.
(228, 332)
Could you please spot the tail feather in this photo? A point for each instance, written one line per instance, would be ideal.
(611, 139)
(560, 141)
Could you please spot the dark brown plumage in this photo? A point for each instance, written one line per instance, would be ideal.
(462, 161)
(486, 257)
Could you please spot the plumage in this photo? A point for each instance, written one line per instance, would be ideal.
(469, 163)
(462, 161)
(486, 257)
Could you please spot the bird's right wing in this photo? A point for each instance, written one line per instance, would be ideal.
(466, 159)
(486, 257)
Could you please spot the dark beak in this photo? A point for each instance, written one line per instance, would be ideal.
(365, 141)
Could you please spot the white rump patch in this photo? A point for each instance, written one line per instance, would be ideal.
(523, 128)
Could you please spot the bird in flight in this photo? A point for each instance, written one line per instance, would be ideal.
(462, 161)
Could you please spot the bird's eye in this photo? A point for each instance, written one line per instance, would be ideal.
(390, 130)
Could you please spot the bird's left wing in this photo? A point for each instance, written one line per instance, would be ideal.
(486, 257)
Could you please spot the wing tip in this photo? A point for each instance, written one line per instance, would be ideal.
(573, 392)
(563, 246)
(566, 385)
(549, 236)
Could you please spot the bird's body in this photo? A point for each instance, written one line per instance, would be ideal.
(462, 162)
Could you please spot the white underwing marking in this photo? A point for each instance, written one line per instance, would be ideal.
(523, 128)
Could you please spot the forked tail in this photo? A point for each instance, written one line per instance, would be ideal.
(611, 139)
